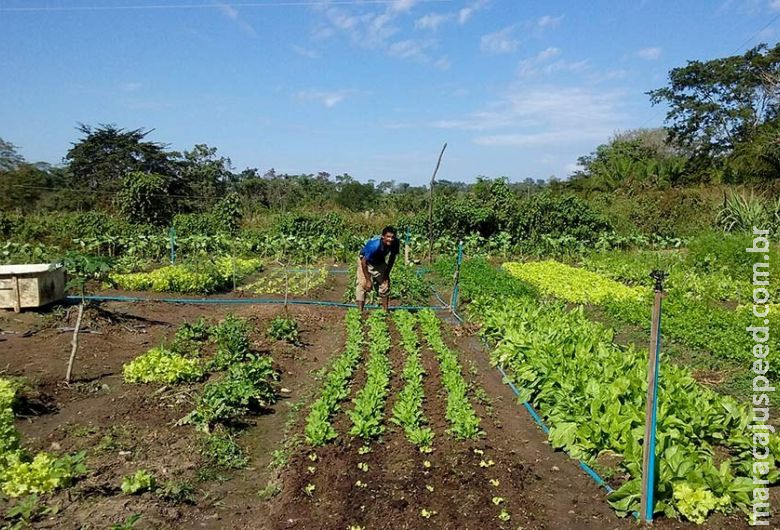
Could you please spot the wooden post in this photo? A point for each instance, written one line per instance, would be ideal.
(18, 298)
(651, 409)
(430, 206)
(74, 343)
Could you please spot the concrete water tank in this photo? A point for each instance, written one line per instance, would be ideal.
(29, 286)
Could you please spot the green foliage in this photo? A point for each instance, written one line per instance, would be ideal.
(139, 482)
(189, 337)
(592, 394)
(145, 198)
(232, 339)
(177, 492)
(368, 405)
(107, 154)
(718, 104)
(246, 388)
(572, 284)
(558, 215)
(408, 409)
(741, 213)
(227, 213)
(292, 282)
(27, 510)
(128, 523)
(286, 329)
(464, 422)
(82, 268)
(160, 365)
(21, 474)
(335, 388)
(198, 277)
(634, 159)
(221, 450)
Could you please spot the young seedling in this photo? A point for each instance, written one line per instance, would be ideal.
(497, 500)
(494, 482)
(429, 487)
(364, 450)
(504, 516)
(363, 466)
(427, 514)
(427, 464)
(309, 489)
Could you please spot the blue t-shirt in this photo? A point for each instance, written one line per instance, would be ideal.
(375, 250)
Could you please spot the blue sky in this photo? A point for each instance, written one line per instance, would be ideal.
(372, 88)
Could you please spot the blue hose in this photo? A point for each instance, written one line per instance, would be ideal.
(236, 301)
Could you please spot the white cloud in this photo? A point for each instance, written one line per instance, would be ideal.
(305, 52)
(402, 5)
(431, 21)
(544, 115)
(328, 98)
(774, 5)
(410, 48)
(465, 13)
(501, 41)
(231, 13)
(649, 54)
(443, 63)
(548, 21)
(532, 66)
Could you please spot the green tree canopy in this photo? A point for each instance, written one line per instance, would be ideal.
(104, 156)
(716, 105)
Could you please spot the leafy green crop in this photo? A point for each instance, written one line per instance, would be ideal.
(295, 283)
(203, 278)
(464, 422)
(285, 329)
(335, 389)
(160, 365)
(366, 415)
(592, 394)
(407, 411)
(21, 474)
(246, 387)
(572, 284)
(139, 482)
(232, 339)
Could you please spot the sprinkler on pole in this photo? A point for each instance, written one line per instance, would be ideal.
(651, 409)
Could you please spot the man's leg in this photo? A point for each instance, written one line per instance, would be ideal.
(383, 282)
(360, 294)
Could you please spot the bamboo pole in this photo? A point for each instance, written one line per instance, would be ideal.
(430, 205)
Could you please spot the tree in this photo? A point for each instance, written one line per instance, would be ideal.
(106, 155)
(10, 159)
(145, 198)
(205, 175)
(716, 105)
(22, 187)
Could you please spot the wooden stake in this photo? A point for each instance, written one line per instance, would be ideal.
(430, 206)
(18, 299)
(74, 343)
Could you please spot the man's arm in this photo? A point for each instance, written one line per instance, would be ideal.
(390, 263)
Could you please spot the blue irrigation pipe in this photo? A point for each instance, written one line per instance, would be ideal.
(238, 301)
